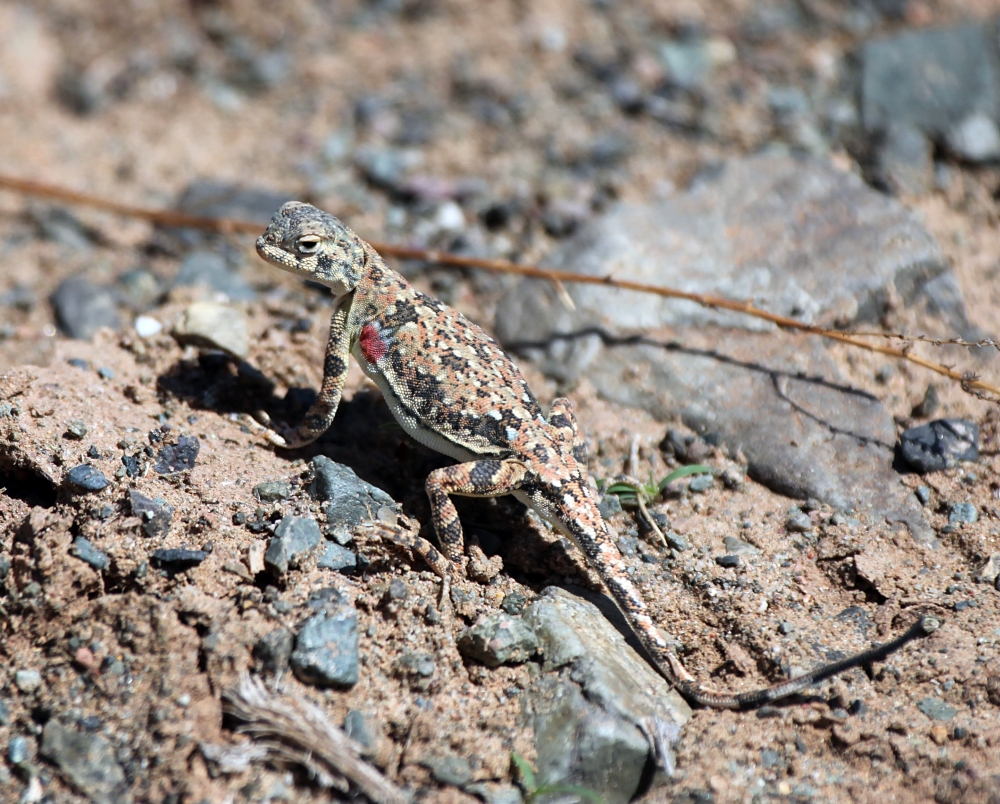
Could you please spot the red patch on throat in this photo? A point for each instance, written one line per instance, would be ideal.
(371, 343)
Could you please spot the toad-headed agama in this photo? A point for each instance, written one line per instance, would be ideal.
(453, 389)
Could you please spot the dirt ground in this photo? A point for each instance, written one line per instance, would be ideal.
(495, 105)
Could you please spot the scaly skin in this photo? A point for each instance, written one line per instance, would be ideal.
(454, 390)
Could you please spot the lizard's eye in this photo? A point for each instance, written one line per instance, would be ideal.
(307, 244)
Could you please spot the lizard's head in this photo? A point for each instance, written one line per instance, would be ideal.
(315, 245)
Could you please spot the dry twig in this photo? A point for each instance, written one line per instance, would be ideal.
(295, 731)
(969, 382)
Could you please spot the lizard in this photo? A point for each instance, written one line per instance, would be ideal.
(453, 389)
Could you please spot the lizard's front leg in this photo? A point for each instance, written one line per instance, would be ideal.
(320, 416)
(562, 419)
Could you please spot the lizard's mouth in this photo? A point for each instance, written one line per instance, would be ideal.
(274, 255)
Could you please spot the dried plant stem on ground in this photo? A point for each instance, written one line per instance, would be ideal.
(295, 731)
(969, 382)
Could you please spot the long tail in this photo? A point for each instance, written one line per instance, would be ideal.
(596, 539)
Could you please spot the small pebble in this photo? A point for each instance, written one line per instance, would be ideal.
(147, 326)
(76, 430)
(923, 494)
(17, 750)
(27, 680)
(963, 513)
(87, 478)
(786, 628)
(106, 373)
(177, 560)
(728, 561)
(84, 657)
(701, 484)
(798, 522)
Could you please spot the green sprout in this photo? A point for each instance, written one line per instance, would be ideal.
(533, 792)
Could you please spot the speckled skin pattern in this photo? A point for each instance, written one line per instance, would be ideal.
(453, 389)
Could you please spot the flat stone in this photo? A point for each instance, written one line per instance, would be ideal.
(85, 551)
(963, 513)
(498, 639)
(729, 561)
(210, 269)
(177, 559)
(272, 491)
(936, 709)
(338, 558)
(156, 514)
(326, 648)
(738, 547)
(82, 308)
(585, 655)
(348, 499)
(87, 761)
(450, 769)
(940, 444)
(210, 325)
(930, 78)
(294, 538)
(178, 457)
(86, 478)
(766, 227)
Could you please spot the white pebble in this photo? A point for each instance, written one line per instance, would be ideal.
(146, 326)
(450, 217)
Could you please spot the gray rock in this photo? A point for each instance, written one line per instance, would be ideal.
(210, 269)
(493, 793)
(498, 639)
(930, 78)
(273, 651)
(338, 558)
(974, 139)
(177, 457)
(798, 522)
(962, 513)
(139, 289)
(87, 761)
(610, 505)
(738, 547)
(786, 628)
(326, 648)
(513, 603)
(294, 539)
(936, 709)
(904, 159)
(76, 430)
(701, 484)
(82, 308)
(156, 514)
(27, 681)
(18, 750)
(209, 325)
(990, 571)
(85, 551)
(359, 728)
(596, 740)
(923, 493)
(940, 444)
(416, 663)
(273, 491)
(4, 714)
(349, 499)
(86, 478)
(764, 226)
(728, 562)
(450, 769)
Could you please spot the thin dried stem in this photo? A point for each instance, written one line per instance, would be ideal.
(969, 383)
(294, 730)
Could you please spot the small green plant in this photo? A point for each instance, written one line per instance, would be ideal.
(630, 490)
(533, 793)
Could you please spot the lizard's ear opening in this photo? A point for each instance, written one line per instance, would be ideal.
(308, 244)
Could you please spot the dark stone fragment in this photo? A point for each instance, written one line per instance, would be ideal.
(357, 727)
(154, 513)
(106, 373)
(273, 491)
(349, 499)
(273, 651)
(294, 538)
(417, 663)
(499, 639)
(728, 561)
(85, 551)
(131, 464)
(82, 308)
(178, 457)
(513, 603)
(177, 559)
(326, 649)
(87, 761)
(77, 362)
(76, 430)
(86, 478)
(325, 598)
(338, 558)
(940, 444)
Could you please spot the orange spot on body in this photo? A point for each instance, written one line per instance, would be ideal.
(371, 343)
